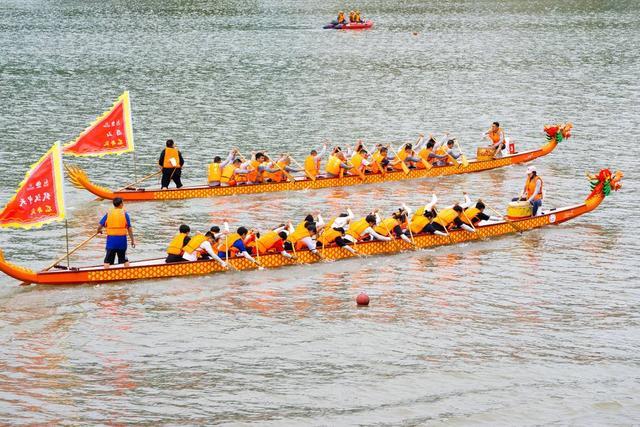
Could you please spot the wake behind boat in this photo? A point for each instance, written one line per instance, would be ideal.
(80, 179)
(601, 185)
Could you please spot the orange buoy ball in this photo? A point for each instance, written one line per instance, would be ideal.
(362, 299)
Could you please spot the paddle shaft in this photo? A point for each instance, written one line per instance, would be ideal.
(311, 177)
(142, 179)
(87, 240)
(519, 230)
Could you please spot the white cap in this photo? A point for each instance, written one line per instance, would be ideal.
(531, 169)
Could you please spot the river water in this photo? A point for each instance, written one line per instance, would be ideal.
(539, 328)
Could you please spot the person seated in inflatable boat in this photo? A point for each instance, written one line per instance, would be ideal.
(341, 20)
(356, 18)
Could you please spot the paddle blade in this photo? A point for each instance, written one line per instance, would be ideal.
(404, 167)
(426, 164)
(465, 162)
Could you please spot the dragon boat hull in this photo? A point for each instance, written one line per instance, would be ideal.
(81, 180)
(157, 268)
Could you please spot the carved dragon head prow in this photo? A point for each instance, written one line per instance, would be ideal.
(604, 181)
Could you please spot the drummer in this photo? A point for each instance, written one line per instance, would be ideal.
(533, 191)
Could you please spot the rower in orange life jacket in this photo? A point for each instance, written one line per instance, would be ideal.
(446, 151)
(215, 169)
(379, 159)
(406, 155)
(428, 154)
(174, 251)
(496, 138)
(118, 225)
(271, 241)
(171, 163)
(533, 191)
(337, 164)
(233, 245)
(276, 172)
(312, 162)
(341, 18)
(423, 216)
(257, 168)
(202, 247)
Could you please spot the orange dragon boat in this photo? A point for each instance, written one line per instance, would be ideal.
(555, 134)
(601, 185)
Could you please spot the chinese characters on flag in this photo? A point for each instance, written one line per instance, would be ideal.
(111, 133)
(39, 199)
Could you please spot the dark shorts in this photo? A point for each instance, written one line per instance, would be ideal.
(110, 258)
(174, 258)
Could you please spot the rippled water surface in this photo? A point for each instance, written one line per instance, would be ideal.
(539, 328)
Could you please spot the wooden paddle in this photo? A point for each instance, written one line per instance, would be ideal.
(404, 167)
(140, 180)
(465, 162)
(515, 227)
(311, 177)
(413, 242)
(446, 230)
(287, 174)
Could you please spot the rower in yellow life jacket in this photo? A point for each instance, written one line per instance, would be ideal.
(335, 230)
(214, 171)
(393, 226)
(302, 236)
(446, 219)
(360, 162)
(174, 251)
(363, 227)
(336, 165)
(202, 247)
(474, 214)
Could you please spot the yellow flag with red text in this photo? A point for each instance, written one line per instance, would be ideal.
(40, 198)
(111, 133)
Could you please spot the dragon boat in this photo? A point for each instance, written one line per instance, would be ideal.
(554, 134)
(601, 185)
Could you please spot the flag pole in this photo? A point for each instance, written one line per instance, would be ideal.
(135, 167)
(66, 230)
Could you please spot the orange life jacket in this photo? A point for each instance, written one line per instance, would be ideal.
(267, 241)
(116, 223)
(386, 226)
(214, 172)
(171, 153)
(278, 176)
(530, 186)
(495, 136)
(255, 175)
(176, 245)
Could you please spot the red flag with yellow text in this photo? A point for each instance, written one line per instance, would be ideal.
(111, 133)
(40, 198)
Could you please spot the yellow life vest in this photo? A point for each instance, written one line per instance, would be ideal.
(312, 166)
(356, 228)
(446, 217)
(469, 214)
(418, 223)
(419, 213)
(228, 172)
(329, 235)
(377, 159)
(356, 160)
(116, 223)
(386, 226)
(333, 166)
(299, 234)
(176, 245)
(267, 241)
(171, 153)
(194, 243)
(214, 172)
